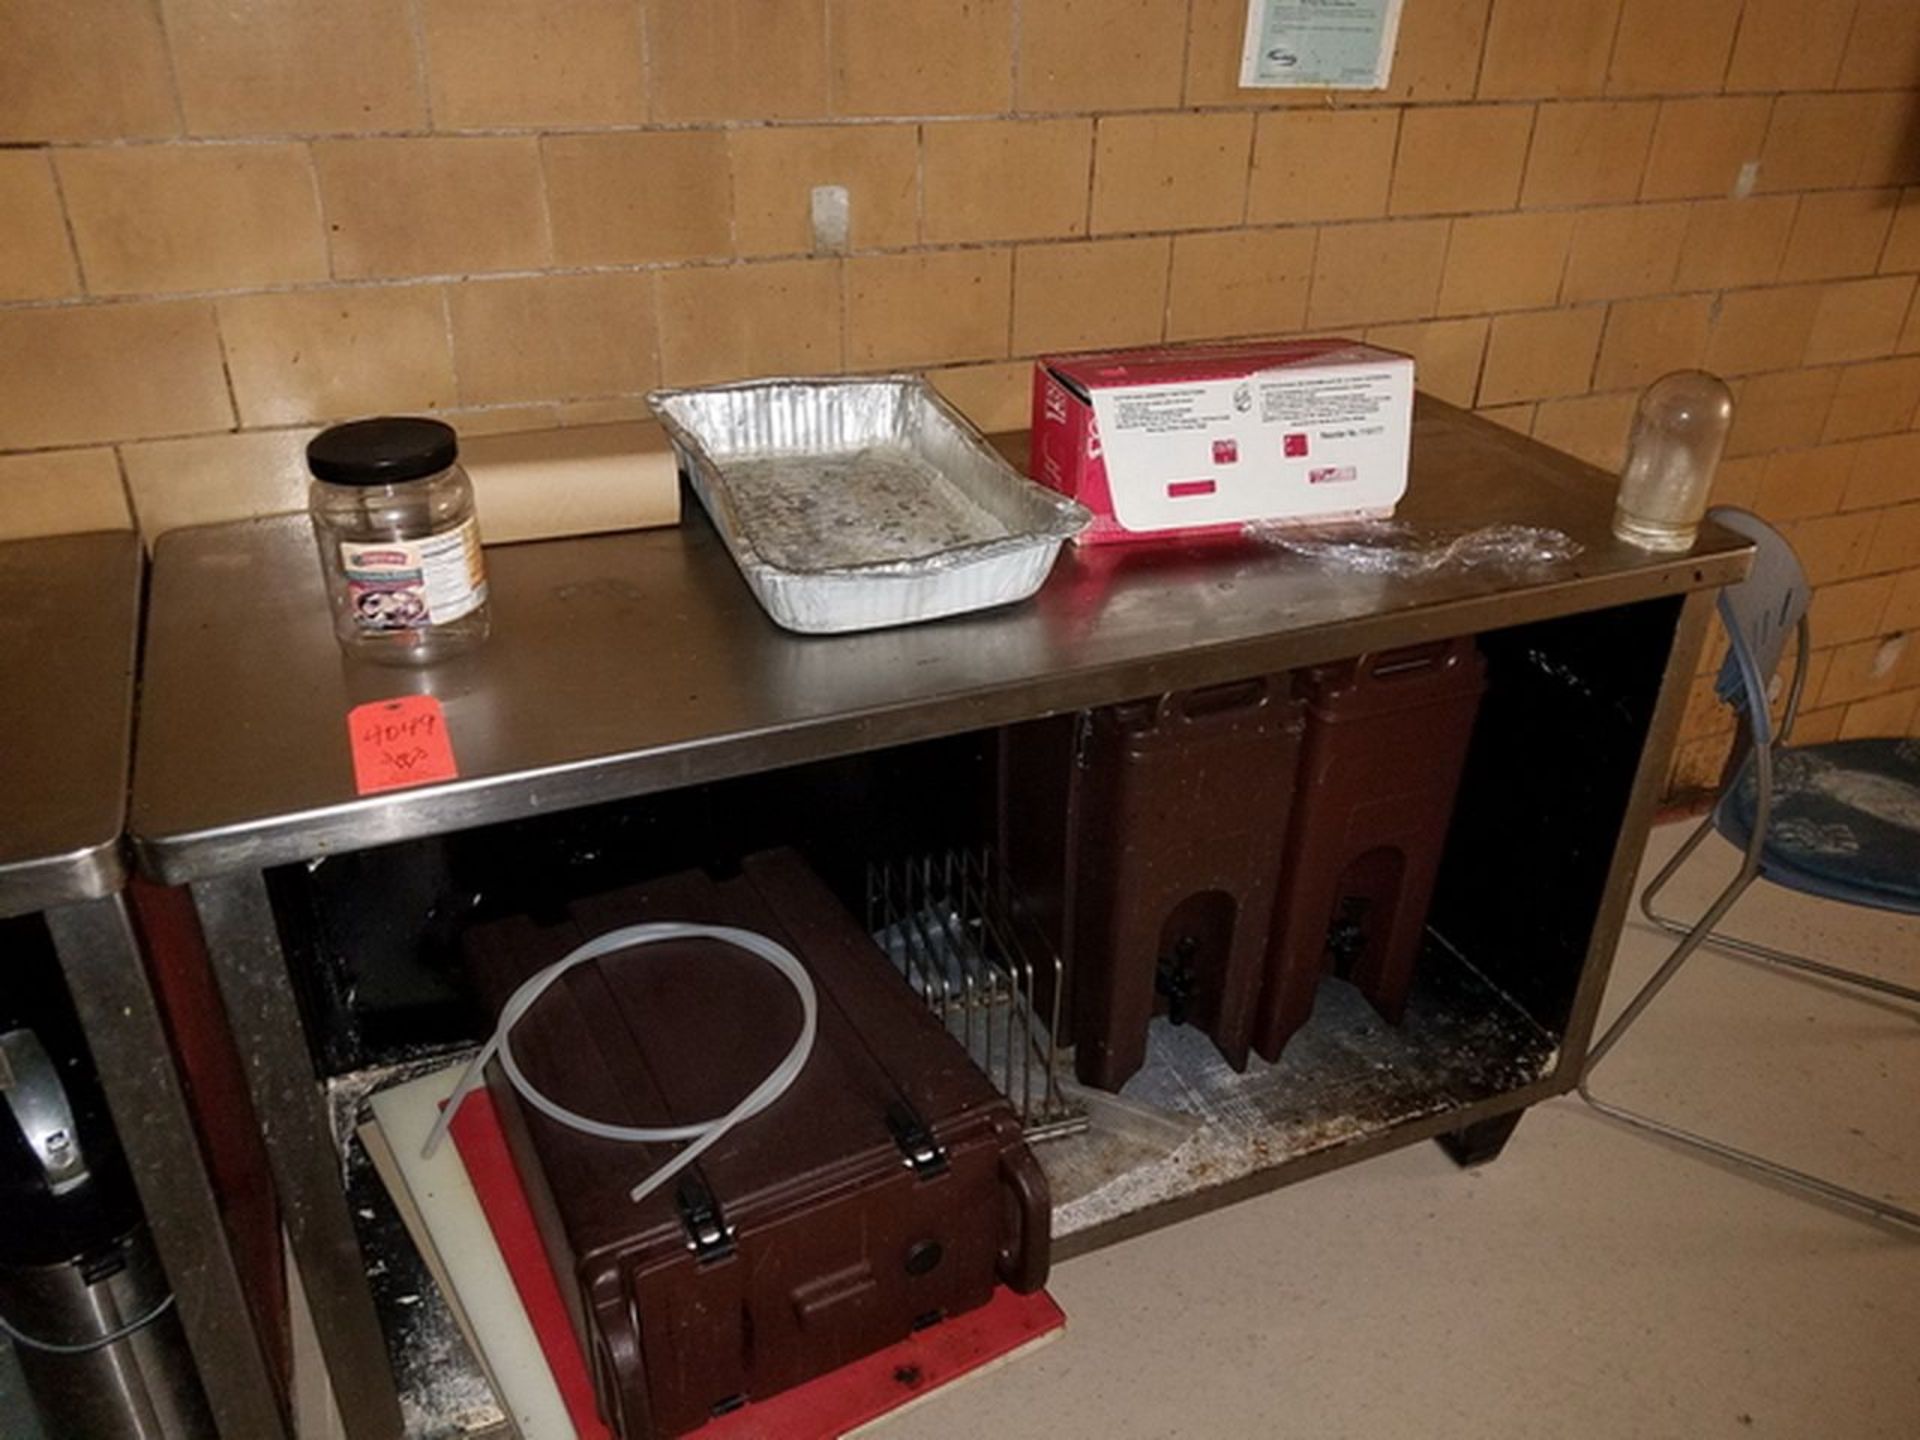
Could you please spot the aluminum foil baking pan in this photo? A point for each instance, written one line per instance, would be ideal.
(858, 504)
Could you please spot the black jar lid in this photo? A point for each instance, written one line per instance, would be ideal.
(387, 450)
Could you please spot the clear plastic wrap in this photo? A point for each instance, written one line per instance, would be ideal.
(1395, 547)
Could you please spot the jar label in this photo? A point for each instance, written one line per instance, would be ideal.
(409, 584)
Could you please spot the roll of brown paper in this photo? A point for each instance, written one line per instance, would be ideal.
(545, 483)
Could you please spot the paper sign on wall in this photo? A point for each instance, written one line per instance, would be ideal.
(1333, 44)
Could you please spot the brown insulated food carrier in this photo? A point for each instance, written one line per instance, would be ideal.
(887, 1189)
(1386, 739)
(1151, 844)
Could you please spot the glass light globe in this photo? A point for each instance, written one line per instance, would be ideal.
(1678, 434)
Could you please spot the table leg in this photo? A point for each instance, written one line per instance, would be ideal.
(1649, 785)
(250, 967)
(1481, 1142)
(108, 982)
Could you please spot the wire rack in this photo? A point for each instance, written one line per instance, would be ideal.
(946, 923)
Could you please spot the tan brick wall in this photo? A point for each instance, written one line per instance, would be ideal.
(221, 226)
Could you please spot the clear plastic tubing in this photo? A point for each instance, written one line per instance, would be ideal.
(703, 1133)
(399, 542)
(1678, 434)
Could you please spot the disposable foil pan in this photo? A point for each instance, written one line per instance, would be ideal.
(858, 504)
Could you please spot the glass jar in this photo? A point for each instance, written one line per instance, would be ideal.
(1678, 434)
(399, 544)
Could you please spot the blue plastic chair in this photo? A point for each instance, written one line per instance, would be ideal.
(1840, 821)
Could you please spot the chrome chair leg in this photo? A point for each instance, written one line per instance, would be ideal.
(1672, 868)
(1752, 949)
(1759, 1164)
(1693, 937)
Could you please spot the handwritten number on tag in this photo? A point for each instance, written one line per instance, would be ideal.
(400, 742)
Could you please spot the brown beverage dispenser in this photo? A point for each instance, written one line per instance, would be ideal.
(1148, 845)
(1386, 740)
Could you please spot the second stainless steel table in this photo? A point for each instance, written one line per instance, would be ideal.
(69, 629)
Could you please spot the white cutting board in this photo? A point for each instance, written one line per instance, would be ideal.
(457, 1231)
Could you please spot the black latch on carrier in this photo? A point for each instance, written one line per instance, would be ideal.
(924, 1155)
(709, 1236)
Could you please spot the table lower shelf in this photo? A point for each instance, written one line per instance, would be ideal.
(1184, 1127)
(1187, 1124)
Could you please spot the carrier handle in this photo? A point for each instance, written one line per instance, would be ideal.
(1230, 697)
(1410, 660)
(1023, 1259)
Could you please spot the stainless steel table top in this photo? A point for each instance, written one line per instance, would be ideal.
(69, 624)
(630, 663)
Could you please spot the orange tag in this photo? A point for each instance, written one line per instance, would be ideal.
(397, 743)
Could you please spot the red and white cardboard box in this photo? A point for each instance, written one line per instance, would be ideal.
(1188, 440)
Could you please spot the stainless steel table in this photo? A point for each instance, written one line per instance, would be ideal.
(69, 629)
(629, 664)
